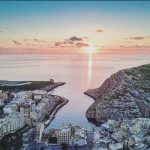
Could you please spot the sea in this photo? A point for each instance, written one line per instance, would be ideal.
(80, 72)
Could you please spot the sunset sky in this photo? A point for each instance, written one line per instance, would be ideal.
(74, 27)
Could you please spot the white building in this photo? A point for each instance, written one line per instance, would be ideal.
(3, 95)
(39, 94)
(80, 136)
(27, 113)
(64, 134)
(9, 109)
(38, 97)
(22, 96)
(11, 123)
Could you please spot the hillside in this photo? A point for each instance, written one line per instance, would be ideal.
(126, 94)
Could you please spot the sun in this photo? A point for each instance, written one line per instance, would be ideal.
(90, 49)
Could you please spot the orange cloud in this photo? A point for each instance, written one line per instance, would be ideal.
(99, 30)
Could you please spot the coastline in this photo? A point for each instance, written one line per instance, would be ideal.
(88, 94)
(47, 86)
(53, 86)
(56, 109)
(125, 94)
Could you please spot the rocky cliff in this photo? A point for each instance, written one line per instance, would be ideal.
(126, 94)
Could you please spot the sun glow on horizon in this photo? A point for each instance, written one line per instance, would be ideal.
(90, 49)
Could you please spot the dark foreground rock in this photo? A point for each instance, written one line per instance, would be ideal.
(14, 141)
(126, 94)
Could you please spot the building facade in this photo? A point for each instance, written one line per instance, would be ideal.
(11, 124)
(64, 135)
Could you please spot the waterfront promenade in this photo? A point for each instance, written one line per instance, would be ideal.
(38, 146)
(34, 145)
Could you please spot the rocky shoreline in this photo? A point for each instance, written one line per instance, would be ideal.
(90, 93)
(52, 114)
(126, 94)
(53, 86)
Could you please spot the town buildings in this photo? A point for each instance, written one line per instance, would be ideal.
(127, 134)
(3, 95)
(25, 108)
(68, 134)
(11, 123)
(64, 135)
(80, 136)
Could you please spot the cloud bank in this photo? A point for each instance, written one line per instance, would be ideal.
(73, 41)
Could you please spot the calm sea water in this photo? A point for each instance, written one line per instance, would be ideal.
(79, 73)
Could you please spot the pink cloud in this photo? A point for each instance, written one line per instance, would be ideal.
(82, 45)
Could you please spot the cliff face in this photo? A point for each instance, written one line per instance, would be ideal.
(126, 94)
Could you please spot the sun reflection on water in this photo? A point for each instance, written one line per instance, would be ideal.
(89, 70)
